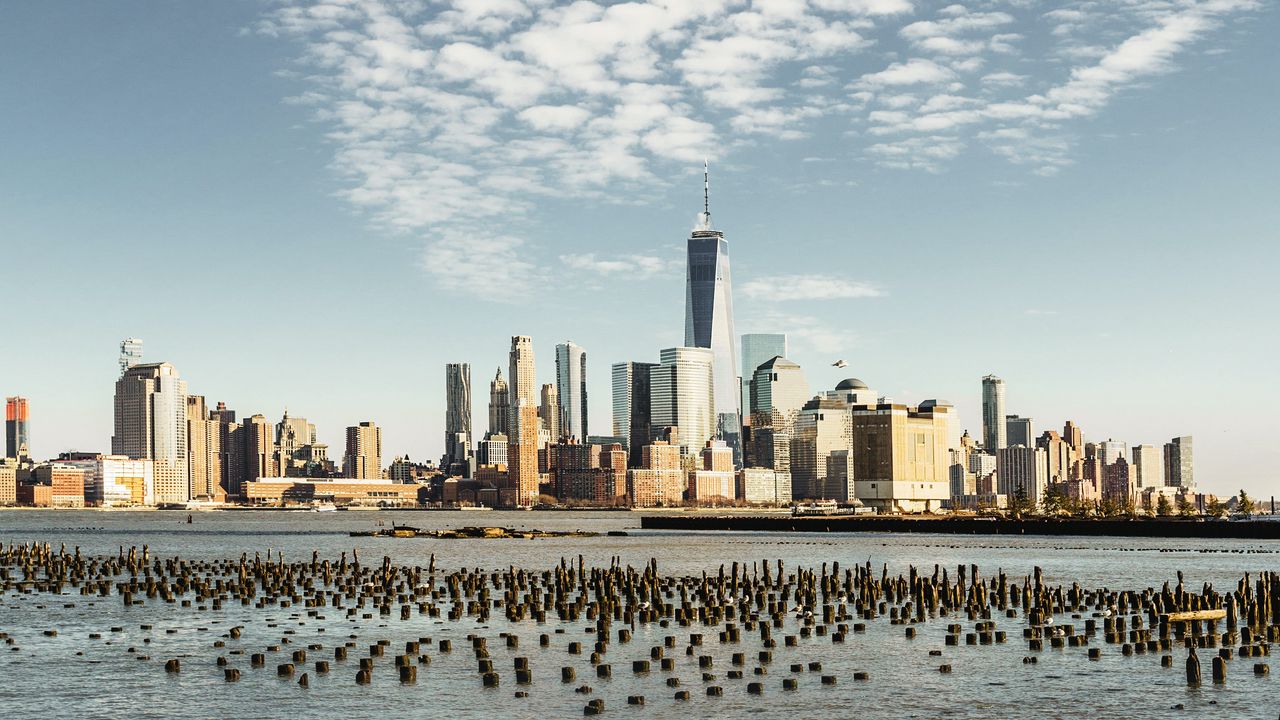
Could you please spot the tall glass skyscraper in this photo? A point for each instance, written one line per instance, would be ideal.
(457, 419)
(151, 424)
(681, 396)
(757, 349)
(632, 415)
(708, 320)
(571, 387)
(994, 431)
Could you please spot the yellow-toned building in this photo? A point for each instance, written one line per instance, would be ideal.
(900, 456)
(280, 491)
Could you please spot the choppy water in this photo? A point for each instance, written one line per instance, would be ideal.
(47, 677)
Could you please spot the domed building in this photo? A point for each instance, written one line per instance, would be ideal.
(852, 391)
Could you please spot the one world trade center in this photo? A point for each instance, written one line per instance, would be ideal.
(708, 319)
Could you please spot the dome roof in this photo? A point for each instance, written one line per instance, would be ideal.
(851, 384)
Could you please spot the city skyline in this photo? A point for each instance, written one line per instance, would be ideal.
(1095, 324)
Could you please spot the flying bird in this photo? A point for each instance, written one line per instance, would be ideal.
(840, 364)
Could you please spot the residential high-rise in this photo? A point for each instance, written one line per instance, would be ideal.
(1019, 431)
(363, 458)
(1112, 450)
(151, 424)
(130, 354)
(457, 420)
(708, 321)
(1178, 471)
(993, 417)
(899, 456)
(522, 450)
(259, 448)
(778, 392)
(499, 406)
(757, 348)
(1148, 466)
(549, 412)
(231, 444)
(523, 388)
(1058, 454)
(204, 451)
(632, 412)
(660, 479)
(823, 431)
(1023, 471)
(571, 386)
(17, 441)
(682, 396)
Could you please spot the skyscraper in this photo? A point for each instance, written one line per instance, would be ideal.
(204, 451)
(778, 392)
(457, 419)
(231, 443)
(523, 389)
(571, 386)
(151, 424)
(522, 450)
(993, 418)
(708, 321)
(549, 411)
(632, 413)
(1148, 466)
(756, 349)
(363, 458)
(1178, 471)
(130, 354)
(1019, 431)
(17, 442)
(259, 448)
(499, 406)
(682, 396)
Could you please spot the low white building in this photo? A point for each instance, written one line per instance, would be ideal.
(762, 486)
(121, 481)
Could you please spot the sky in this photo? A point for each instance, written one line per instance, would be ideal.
(316, 205)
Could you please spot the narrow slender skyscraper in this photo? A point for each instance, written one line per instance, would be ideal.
(993, 419)
(16, 441)
(457, 419)
(571, 387)
(708, 319)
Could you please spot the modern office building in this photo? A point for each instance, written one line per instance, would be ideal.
(457, 420)
(119, 481)
(900, 460)
(1019, 431)
(151, 424)
(682, 396)
(823, 429)
(130, 354)
(1110, 451)
(363, 458)
(779, 391)
(762, 486)
(632, 412)
(1023, 471)
(492, 450)
(1148, 466)
(1178, 470)
(757, 348)
(17, 439)
(66, 482)
(571, 387)
(499, 406)
(993, 417)
(708, 320)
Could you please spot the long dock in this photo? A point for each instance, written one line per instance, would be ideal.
(1153, 527)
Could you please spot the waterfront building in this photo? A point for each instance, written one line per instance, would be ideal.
(993, 425)
(632, 412)
(758, 348)
(899, 458)
(762, 486)
(151, 424)
(709, 320)
(66, 482)
(363, 457)
(681, 396)
(715, 481)
(823, 426)
(1019, 431)
(119, 481)
(660, 480)
(17, 439)
(350, 491)
(853, 393)
(1119, 483)
(204, 451)
(571, 389)
(549, 412)
(1148, 467)
(457, 458)
(1178, 470)
(778, 393)
(8, 481)
(595, 474)
(499, 406)
(1023, 471)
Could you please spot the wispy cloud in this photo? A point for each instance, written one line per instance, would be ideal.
(807, 287)
(455, 116)
(639, 267)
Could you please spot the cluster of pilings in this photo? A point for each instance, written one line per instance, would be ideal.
(761, 604)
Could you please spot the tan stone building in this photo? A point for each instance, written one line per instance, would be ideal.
(363, 459)
(900, 456)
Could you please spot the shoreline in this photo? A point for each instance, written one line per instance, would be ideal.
(1155, 527)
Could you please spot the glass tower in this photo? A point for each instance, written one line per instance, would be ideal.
(993, 419)
(571, 387)
(708, 321)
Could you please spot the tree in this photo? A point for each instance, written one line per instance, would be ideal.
(1164, 508)
(1184, 505)
(1019, 505)
(1216, 508)
(1245, 504)
(1055, 500)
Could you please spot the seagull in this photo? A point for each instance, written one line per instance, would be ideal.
(840, 364)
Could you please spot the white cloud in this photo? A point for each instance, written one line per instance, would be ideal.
(781, 288)
(640, 267)
(912, 72)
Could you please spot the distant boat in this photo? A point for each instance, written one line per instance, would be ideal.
(324, 507)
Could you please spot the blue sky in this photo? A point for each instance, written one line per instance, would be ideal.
(319, 204)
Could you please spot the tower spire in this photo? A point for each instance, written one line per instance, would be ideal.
(706, 188)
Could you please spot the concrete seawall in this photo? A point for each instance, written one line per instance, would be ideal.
(1260, 530)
